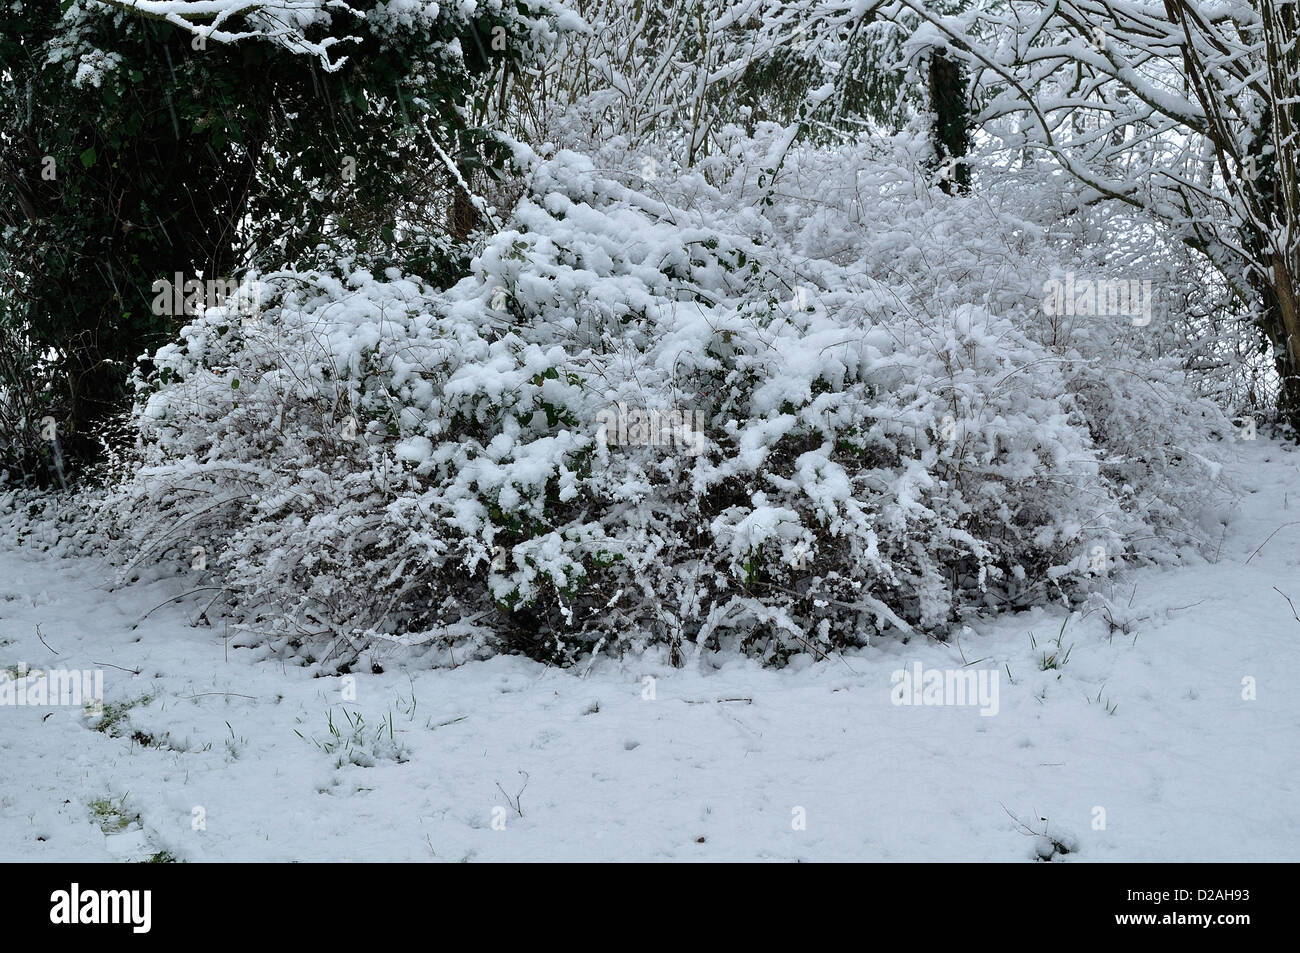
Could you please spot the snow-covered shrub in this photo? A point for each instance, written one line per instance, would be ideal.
(719, 415)
(1134, 380)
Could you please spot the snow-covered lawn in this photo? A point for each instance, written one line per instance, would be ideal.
(214, 752)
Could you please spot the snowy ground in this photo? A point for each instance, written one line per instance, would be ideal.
(224, 758)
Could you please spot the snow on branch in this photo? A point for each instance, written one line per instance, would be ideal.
(284, 22)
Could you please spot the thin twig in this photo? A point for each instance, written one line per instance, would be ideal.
(133, 671)
(1270, 536)
(173, 599)
(43, 642)
(1288, 602)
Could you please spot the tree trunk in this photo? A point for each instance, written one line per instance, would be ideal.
(951, 132)
(1283, 330)
(464, 216)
